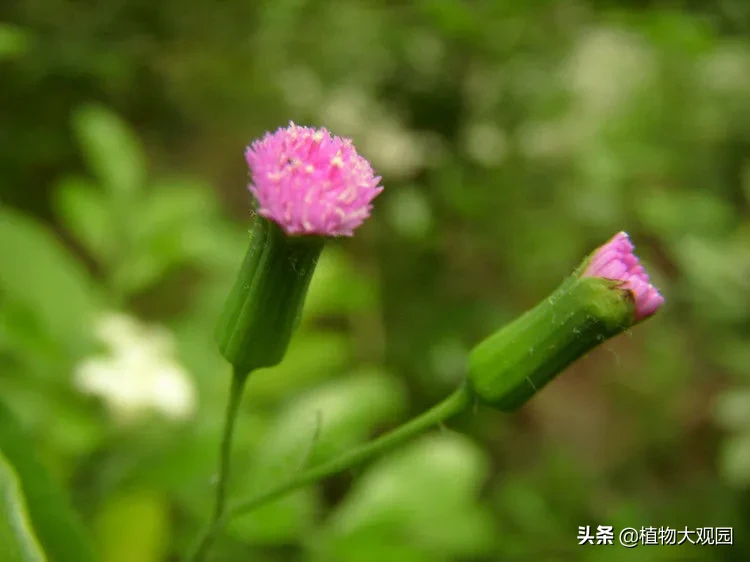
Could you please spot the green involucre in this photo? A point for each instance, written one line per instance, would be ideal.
(514, 363)
(265, 304)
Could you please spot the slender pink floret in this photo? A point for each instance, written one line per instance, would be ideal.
(310, 182)
(615, 260)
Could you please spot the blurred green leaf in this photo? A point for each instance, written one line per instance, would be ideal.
(285, 520)
(409, 214)
(175, 203)
(112, 150)
(678, 213)
(733, 409)
(369, 546)
(176, 225)
(679, 31)
(58, 529)
(14, 41)
(38, 272)
(452, 17)
(17, 540)
(734, 459)
(133, 526)
(313, 428)
(311, 357)
(85, 212)
(424, 496)
(326, 421)
(733, 353)
(338, 287)
(717, 276)
(24, 337)
(526, 506)
(139, 272)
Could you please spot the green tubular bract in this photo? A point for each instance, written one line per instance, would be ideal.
(265, 303)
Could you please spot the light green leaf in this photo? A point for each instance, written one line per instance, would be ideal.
(175, 203)
(409, 213)
(732, 409)
(22, 336)
(733, 353)
(313, 428)
(57, 527)
(451, 17)
(311, 357)
(326, 421)
(734, 460)
(338, 288)
(176, 224)
(422, 496)
(84, 211)
(527, 505)
(17, 540)
(280, 522)
(138, 273)
(39, 274)
(677, 213)
(369, 546)
(14, 41)
(133, 527)
(112, 150)
(716, 277)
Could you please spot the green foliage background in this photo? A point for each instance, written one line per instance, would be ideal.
(513, 137)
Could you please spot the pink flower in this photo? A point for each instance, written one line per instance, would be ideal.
(615, 260)
(311, 182)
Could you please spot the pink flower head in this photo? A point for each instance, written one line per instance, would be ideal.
(615, 260)
(311, 182)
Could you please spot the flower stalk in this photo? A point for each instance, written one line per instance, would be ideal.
(606, 295)
(308, 186)
(449, 407)
(225, 454)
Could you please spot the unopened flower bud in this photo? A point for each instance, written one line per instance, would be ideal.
(608, 294)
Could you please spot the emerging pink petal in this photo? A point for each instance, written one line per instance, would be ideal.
(310, 182)
(615, 260)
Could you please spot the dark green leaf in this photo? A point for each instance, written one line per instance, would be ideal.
(17, 540)
(59, 530)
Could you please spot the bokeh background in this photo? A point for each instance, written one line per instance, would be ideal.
(513, 138)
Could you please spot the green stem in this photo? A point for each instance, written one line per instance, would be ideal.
(233, 406)
(454, 404)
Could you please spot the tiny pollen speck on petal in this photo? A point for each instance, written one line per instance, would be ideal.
(615, 260)
(311, 182)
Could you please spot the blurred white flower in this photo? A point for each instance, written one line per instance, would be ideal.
(395, 151)
(726, 70)
(347, 111)
(485, 143)
(548, 139)
(484, 87)
(607, 67)
(425, 52)
(300, 87)
(139, 374)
